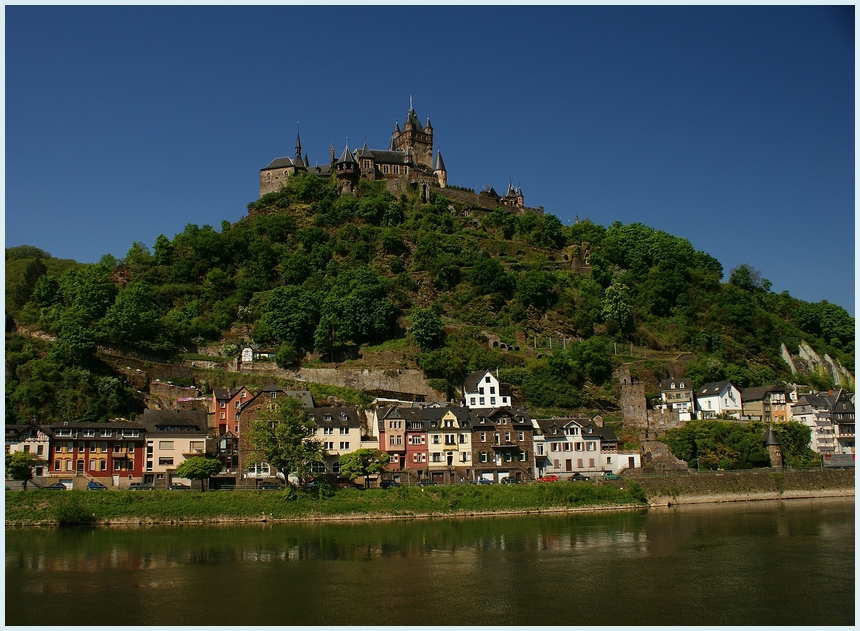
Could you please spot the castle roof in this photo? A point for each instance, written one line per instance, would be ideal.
(365, 152)
(439, 165)
(346, 156)
(412, 118)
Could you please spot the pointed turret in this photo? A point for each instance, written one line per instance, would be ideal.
(346, 156)
(365, 151)
(439, 170)
(347, 171)
(428, 127)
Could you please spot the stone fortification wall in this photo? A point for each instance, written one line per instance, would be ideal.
(392, 380)
(675, 486)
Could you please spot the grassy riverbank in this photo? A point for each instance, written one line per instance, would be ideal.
(77, 507)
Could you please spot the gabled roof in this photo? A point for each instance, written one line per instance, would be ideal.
(470, 383)
(190, 421)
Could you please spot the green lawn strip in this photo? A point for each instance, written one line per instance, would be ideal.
(33, 507)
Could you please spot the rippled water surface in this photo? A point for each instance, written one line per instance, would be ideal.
(744, 564)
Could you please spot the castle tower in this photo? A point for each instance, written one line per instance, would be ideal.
(439, 169)
(417, 137)
(774, 449)
(348, 171)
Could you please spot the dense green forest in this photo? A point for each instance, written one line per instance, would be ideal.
(319, 277)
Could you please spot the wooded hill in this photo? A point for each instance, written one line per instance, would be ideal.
(324, 278)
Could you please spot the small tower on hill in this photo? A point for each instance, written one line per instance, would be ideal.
(347, 171)
(439, 170)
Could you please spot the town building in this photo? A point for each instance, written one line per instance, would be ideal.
(720, 399)
(30, 439)
(449, 444)
(767, 404)
(482, 390)
(502, 444)
(111, 453)
(339, 431)
(172, 436)
(677, 394)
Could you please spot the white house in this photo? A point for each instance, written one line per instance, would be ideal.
(482, 389)
(677, 394)
(718, 399)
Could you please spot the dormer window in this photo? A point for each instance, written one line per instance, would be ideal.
(681, 385)
(328, 418)
(672, 386)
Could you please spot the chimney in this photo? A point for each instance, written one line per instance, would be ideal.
(830, 392)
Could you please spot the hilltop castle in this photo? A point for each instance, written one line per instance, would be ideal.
(408, 161)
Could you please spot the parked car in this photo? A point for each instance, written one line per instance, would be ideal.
(269, 486)
(313, 485)
(177, 486)
(388, 484)
(578, 477)
(426, 482)
(548, 478)
(510, 480)
(611, 476)
(349, 484)
(95, 486)
(483, 481)
(140, 486)
(56, 486)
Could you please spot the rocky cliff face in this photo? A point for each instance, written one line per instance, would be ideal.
(807, 360)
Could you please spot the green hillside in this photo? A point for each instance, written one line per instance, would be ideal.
(390, 281)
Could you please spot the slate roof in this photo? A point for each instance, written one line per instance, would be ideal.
(757, 394)
(439, 165)
(666, 384)
(470, 384)
(713, 388)
(335, 417)
(278, 163)
(192, 421)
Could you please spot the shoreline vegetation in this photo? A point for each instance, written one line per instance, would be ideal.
(54, 508)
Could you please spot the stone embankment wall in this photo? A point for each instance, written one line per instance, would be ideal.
(733, 486)
(392, 380)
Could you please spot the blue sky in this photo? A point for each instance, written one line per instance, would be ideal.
(730, 126)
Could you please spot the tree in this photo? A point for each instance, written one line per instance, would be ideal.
(363, 462)
(19, 466)
(283, 436)
(427, 328)
(199, 468)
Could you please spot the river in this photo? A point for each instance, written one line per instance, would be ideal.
(757, 563)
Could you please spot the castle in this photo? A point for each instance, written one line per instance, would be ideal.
(408, 161)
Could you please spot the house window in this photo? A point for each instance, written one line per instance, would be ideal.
(26, 449)
(329, 445)
(223, 404)
(162, 444)
(483, 437)
(223, 415)
(487, 379)
(591, 446)
(197, 446)
(40, 449)
(496, 438)
(327, 431)
(471, 400)
(464, 457)
(507, 437)
(579, 463)
(492, 400)
(492, 389)
(482, 401)
(274, 395)
(344, 431)
(89, 432)
(609, 458)
(365, 164)
(540, 450)
(164, 462)
(103, 465)
(236, 417)
(385, 168)
(437, 457)
(450, 439)
(482, 457)
(522, 435)
(591, 462)
(504, 400)
(480, 391)
(396, 169)
(56, 465)
(117, 447)
(436, 439)
(567, 446)
(104, 448)
(462, 439)
(116, 465)
(344, 445)
(523, 456)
